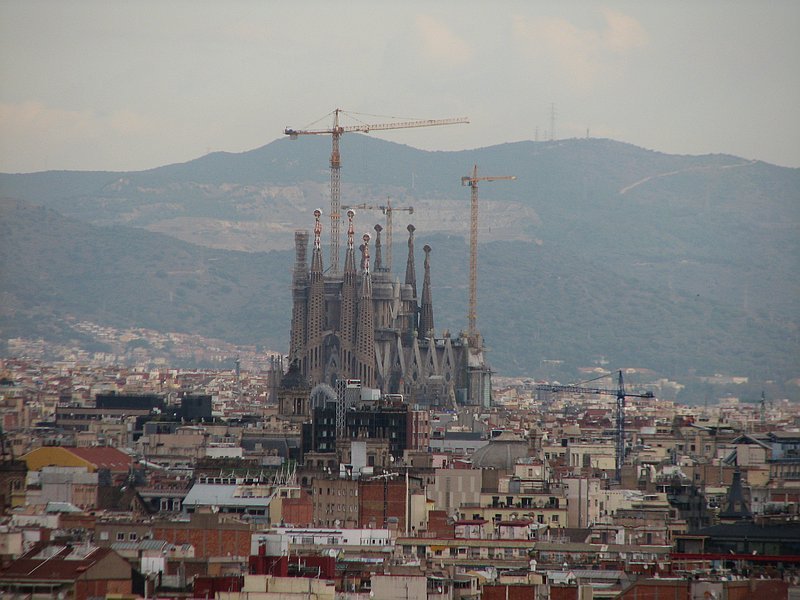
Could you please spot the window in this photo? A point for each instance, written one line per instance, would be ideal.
(132, 536)
(120, 536)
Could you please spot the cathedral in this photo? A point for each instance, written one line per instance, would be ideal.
(365, 325)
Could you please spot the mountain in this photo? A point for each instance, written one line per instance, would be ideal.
(599, 249)
(56, 267)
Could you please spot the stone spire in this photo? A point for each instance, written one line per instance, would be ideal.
(411, 273)
(378, 259)
(736, 508)
(412, 306)
(365, 334)
(316, 308)
(297, 333)
(349, 301)
(426, 305)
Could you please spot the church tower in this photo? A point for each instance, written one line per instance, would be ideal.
(316, 308)
(411, 308)
(365, 335)
(426, 307)
(297, 334)
(349, 302)
(378, 255)
(294, 395)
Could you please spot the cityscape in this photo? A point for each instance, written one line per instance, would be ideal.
(517, 318)
(377, 459)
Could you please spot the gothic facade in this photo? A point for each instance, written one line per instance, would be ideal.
(364, 324)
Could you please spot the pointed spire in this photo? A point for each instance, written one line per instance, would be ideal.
(297, 334)
(411, 307)
(300, 277)
(365, 335)
(378, 260)
(736, 508)
(426, 305)
(316, 255)
(411, 273)
(348, 324)
(350, 261)
(365, 255)
(316, 308)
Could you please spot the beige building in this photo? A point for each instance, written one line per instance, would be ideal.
(75, 485)
(596, 455)
(399, 587)
(335, 502)
(182, 447)
(266, 587)
(583, 501)
(454, 488)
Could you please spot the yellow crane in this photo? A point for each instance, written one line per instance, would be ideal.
(472, 314)
(336, 132)
(387, 209)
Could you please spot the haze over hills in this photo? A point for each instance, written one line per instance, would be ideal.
(599, 250)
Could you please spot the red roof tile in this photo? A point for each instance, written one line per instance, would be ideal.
(104, 457)
(61, 567)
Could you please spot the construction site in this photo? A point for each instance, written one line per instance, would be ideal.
(362, 322)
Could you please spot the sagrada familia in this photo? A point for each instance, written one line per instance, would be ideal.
(363, 325)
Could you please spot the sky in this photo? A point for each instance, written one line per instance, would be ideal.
(125, 86)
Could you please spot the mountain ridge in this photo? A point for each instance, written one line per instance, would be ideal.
(711, 237)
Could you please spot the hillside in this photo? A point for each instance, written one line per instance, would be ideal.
(55, 267)
(717, 226)
(599, 249)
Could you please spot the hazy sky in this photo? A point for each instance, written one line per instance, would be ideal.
(102, 85)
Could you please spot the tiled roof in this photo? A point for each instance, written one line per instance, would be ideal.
(63, 564)
(103, 457)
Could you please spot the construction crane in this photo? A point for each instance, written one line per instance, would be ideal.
(621, 394)
(336, 132)
(387, 210)
(472, 314)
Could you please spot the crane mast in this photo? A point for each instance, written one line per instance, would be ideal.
(336, 132)
(619, 429)
(472, 311)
